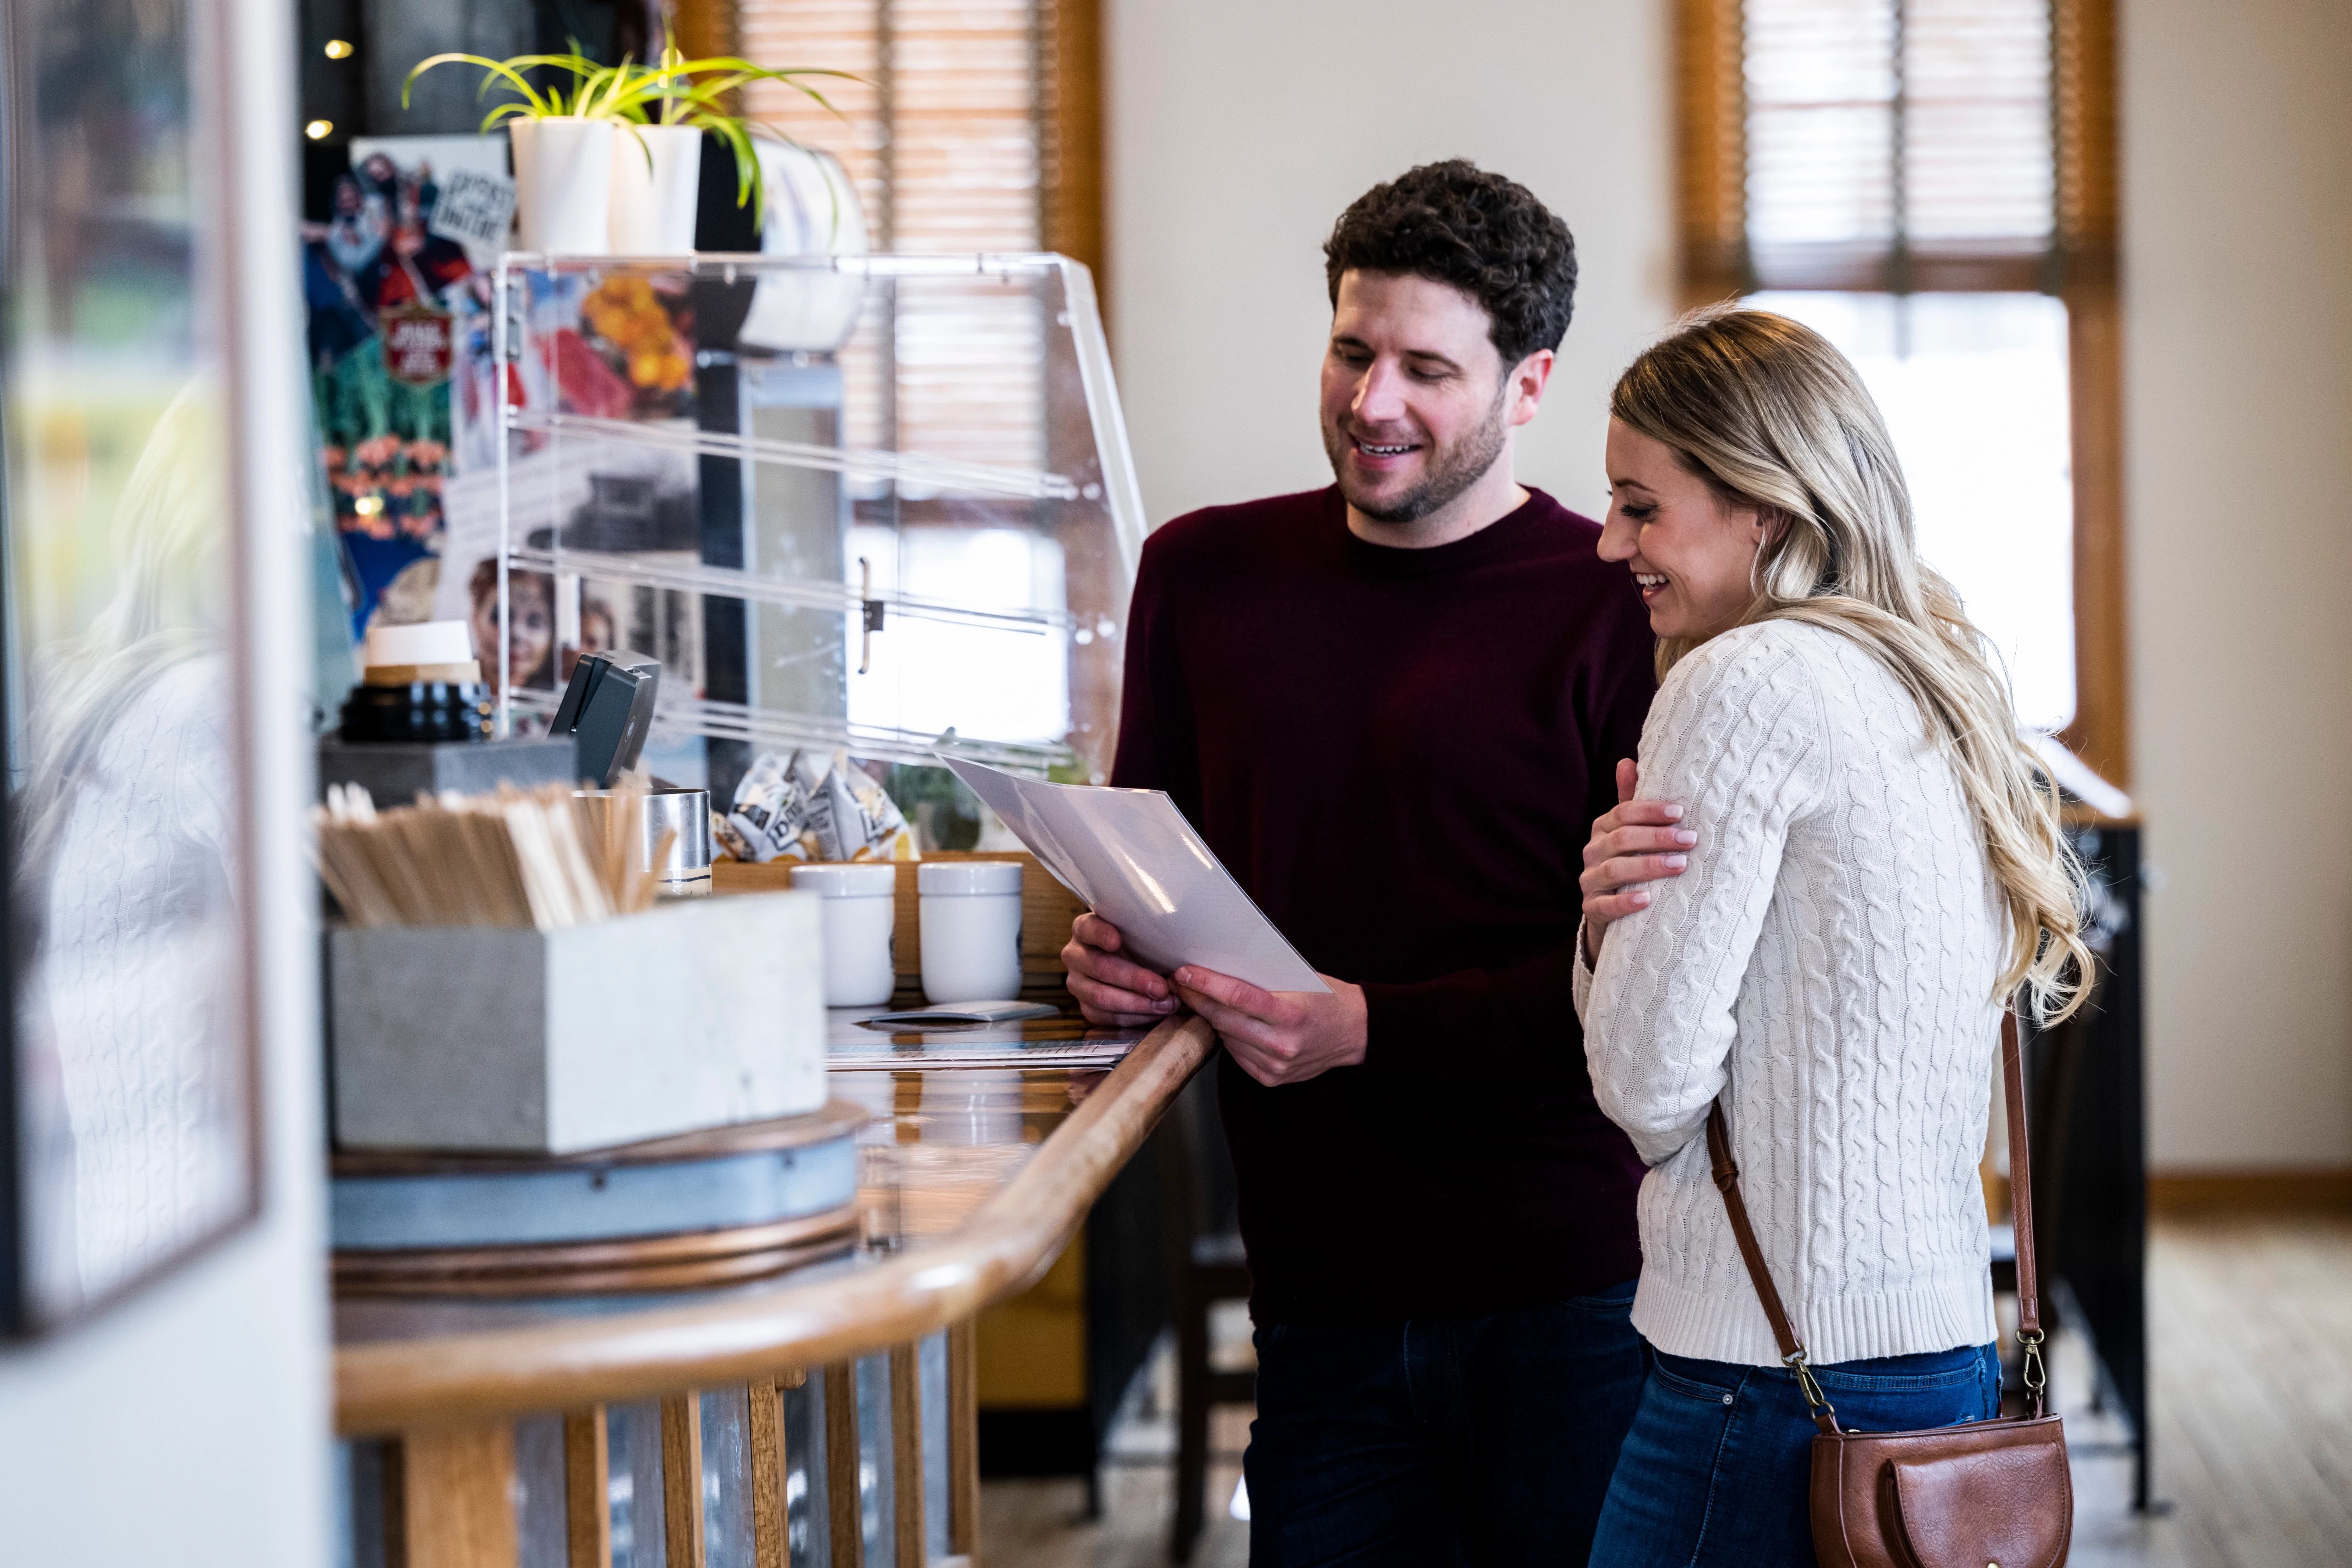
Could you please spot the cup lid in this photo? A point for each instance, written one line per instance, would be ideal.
(424, 642)
(969, 877)
(862, 879)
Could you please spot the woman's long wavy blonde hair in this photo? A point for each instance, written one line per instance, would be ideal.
(1774, 418)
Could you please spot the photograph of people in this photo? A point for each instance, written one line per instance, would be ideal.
(530, 627)
(596, 632)
(1842, 863)
(1393, 707)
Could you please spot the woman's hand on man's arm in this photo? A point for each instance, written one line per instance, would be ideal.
(1638, 843)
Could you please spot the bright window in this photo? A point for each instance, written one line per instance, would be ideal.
(1974, 391)
(1931, 184)
(1001, 682)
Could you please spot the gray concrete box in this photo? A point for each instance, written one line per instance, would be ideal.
(697, 1013)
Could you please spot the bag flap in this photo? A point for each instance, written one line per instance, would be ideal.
(2006, 1507)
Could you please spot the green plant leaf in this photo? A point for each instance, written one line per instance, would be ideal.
(492, 69)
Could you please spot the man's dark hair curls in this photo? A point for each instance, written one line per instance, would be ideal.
(1487, 235)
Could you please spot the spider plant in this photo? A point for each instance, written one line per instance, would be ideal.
(677, 92)
(595, 94)
(680, 92)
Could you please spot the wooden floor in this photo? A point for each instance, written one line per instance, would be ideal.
(2251, 1324)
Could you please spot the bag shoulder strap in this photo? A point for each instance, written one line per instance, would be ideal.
(2021, 1211)
(2021, 1177)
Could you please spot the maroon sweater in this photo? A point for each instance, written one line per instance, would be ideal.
(1399, 754)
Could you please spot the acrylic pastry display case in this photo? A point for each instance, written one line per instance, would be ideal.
(880, 504)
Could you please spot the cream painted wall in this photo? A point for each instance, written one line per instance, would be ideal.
(2237, 160)
(1239, 130)
(188, 1426)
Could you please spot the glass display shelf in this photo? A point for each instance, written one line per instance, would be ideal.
(882, 504)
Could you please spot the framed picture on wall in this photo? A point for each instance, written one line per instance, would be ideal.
(130, 1131)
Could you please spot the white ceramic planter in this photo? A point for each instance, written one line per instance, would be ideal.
(563, 183)
(657, 176)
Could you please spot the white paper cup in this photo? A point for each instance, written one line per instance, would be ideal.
(860, 923)
(971, 921)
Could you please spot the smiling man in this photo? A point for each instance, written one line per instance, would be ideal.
(1393, 706)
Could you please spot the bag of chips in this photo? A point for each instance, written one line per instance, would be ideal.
(854, 818)
(770, 817)
(786, 809)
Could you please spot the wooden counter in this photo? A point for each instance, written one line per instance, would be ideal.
(972, 1182)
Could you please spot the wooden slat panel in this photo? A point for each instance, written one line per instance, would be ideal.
(457, 1497)
(681, 1441)
(844, 1516)
(587, 1510)
(765, 1404)
(963, 1442)
(906, 1452)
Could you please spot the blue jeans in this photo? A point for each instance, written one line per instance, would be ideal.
(1439, 1443)
(1717, 1466)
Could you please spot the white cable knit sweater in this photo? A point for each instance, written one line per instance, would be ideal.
(1830, 955)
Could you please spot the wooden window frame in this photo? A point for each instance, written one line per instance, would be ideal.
(2081, 270)
(1070, 103)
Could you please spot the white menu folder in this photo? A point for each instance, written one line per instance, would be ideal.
(1132, 857)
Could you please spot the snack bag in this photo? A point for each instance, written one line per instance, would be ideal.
(854, 818)
(771, 818)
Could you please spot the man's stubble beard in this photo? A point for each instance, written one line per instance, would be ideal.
(1451, 472)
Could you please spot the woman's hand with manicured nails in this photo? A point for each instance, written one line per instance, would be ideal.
(1640, 842)
(1112, 991)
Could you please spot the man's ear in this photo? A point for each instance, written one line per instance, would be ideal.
(1527, 381)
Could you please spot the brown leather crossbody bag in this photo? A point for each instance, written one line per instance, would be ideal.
(1990, 1494)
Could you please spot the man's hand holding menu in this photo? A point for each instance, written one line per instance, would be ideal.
(1276, 1037)
(1169, 926)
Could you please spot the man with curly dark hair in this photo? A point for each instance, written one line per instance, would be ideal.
(1394, 706)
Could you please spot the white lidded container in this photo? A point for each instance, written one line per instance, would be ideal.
(656, 177)
(563, 183)
(860, 919)
(970, 925)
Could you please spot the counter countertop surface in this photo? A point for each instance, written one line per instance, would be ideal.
(969, 1183)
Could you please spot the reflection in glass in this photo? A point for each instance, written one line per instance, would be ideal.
(133, 1139)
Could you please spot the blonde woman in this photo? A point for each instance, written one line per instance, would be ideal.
(1844, 865)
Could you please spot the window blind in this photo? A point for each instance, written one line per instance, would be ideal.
(944, 140)
(1898, 145)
